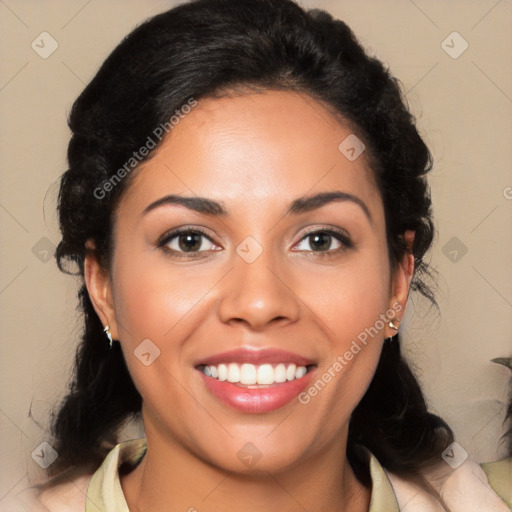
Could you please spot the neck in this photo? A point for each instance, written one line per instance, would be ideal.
(171, 478)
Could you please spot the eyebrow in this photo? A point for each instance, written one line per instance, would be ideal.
(298, 206)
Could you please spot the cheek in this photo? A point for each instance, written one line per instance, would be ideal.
(151, 306)
(151, 298)
(350, 297)
(350, 304)
(158, 308)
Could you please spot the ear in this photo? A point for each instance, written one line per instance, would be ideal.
(99, 287)
(400, 283)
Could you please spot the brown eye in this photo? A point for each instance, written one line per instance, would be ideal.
(190, 241)
(321, 241)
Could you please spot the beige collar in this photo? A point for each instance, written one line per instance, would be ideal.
(465, 489)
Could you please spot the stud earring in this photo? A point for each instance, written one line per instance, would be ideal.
(109, 335)
(393, 325)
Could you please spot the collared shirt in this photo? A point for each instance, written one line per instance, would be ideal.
(105, 493)
(469, 488)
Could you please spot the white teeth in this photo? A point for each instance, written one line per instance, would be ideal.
(265, 374)
(290, 372)
(250, 374)
(233, 373)
(300, 372)
(222, 371)
(280, 373)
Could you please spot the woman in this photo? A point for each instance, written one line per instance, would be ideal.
(247, 205)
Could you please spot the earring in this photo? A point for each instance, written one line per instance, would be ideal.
(109, 335)
(393, 325)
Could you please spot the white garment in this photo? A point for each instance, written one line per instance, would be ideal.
(465, 489)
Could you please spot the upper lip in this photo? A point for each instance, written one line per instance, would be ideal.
(256, 357)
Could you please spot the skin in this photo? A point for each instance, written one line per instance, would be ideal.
(254, 153)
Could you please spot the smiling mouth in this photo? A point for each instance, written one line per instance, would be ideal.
(255, 376)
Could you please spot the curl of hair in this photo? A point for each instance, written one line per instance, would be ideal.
(214, 48)
(393, 421)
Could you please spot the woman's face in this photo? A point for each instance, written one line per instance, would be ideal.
(267, 285)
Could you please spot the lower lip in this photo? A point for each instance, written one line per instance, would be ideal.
(256, 400)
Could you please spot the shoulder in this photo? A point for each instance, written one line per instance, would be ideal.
(499, 475)
(82, 488)
(465, 488)
(65, 496)
(468, 483)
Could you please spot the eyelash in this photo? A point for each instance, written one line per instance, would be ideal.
(339, 235)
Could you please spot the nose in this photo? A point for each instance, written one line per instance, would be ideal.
(258, 294)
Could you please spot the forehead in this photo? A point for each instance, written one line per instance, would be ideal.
(254, 149)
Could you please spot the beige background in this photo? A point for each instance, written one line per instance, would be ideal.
(464, 111)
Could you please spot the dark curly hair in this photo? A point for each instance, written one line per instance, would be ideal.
(212, 48)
